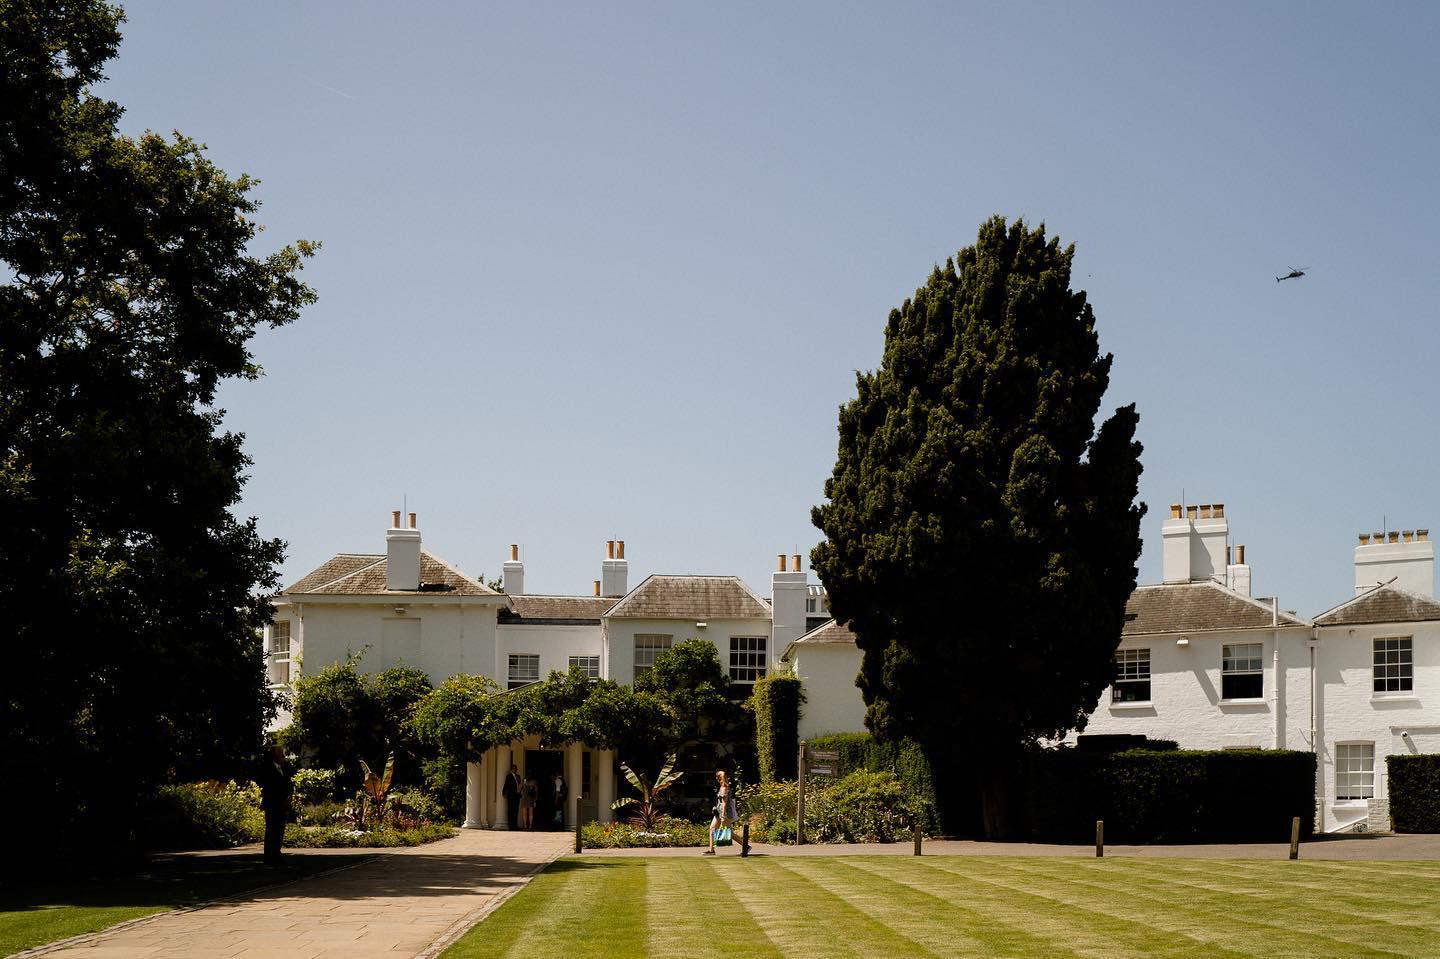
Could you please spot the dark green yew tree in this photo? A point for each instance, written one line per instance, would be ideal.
(130, 593)
(980, 532)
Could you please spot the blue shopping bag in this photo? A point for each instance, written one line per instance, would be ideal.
(723, 836)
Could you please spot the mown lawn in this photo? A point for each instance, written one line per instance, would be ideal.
(874, 906)
(34, 913)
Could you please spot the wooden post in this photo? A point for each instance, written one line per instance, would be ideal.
(578, 843)
(1099, 838)
(745, 840)
(1295, 838)
(915, 831)
(800, 797)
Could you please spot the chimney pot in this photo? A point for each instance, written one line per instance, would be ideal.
(394, 519)
(1240, 555)
(780, 563)
(514, 552)
(597, 587)
(620, 549)
(1421, 535)
(1408, 534)
(1219, 512)
(413, 524)
(609, 549)
(1395, 536)
(1205, 511)
(1191, 512)
(1364, 539)
(1378, 538)
(1174, 510)
(795, 563)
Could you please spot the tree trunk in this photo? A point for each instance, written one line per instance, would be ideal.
(997, 795)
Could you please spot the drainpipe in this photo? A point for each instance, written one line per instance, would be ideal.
(1275, 671)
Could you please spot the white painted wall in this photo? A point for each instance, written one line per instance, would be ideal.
(832, 700)
(1185, 686)
(1353, 712)
(620, 641)
(441, 638)
(554, 645)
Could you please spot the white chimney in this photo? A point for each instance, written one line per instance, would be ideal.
(402, 554)
(513, 573)
(615, 570)
(1406, 556)
(1193, 544)
(788, 592)
(1238, 573)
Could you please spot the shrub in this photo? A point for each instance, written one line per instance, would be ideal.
(860, 807)
(906, 760)
(208, 815)
(321, 814)
(1167, 796)
(1414, 792)
(313, 786)
(343, 837)
(776, 703)
(667, 832)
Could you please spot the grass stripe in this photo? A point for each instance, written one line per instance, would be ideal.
(694, 913)
(1393, 905)
(944, 926)
(572, 902)
(805, 920)
(1085, 930)
(1227, 928)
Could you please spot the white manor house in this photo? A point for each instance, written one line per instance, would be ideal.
(1201, 661)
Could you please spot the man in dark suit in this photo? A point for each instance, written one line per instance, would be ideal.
(275, 789)
(511, 792)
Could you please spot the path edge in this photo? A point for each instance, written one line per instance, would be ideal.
(471, 919)
(85, 937)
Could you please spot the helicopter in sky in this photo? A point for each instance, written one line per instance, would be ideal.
(1294, 274)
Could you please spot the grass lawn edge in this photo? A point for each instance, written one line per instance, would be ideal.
(456, 930)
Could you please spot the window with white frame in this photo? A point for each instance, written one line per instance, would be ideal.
(1132, 676)
(589, 665)
(1242, 671)
(810, 605)
(280, 652)
(1354, 771)
(747, 658)
(1394, 665)
(647, 647)
(524, 669)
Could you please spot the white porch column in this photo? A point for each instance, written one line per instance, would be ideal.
(474, 796)
(502, 769)
(605, 788)
(573, 772)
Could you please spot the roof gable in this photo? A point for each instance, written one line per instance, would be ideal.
(691, 597)
(1386, 603)
(358, 574)
(1195, 608)
(831, 633)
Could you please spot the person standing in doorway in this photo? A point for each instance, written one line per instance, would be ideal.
(511, 791)
(275, 789)
(560, 797)
(527, 804)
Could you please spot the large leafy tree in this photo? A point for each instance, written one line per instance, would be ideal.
(130, 592)
(981, 532)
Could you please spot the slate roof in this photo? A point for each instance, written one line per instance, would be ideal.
(1193, 608)
(830, 633)
(363, 574)
(1383, 604)
(691, 597)
(556, 610)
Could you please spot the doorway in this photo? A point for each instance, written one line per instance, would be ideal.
(543, 765)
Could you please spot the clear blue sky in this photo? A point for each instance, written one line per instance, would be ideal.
(597, 271)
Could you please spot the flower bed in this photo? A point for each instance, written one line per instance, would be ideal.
(667, 832)
(342, 837)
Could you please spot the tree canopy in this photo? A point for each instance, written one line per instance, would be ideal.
(129, 294)
(980, 532)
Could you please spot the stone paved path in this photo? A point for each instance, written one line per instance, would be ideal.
(396, 905)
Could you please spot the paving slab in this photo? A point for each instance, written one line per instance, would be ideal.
(402, 903)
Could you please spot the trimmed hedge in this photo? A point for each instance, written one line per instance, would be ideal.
(1228, 795)
(1414, 792)
(862, 751)
(776, 701)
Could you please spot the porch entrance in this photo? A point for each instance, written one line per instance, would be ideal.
(543, 765)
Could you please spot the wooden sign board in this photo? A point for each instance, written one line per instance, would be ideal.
(817, 770)
(824, 755)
